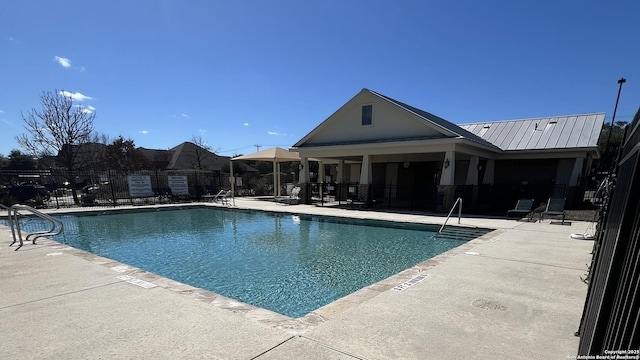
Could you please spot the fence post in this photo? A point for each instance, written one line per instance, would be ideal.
(158, 183)
(113, 193)
(195, 175)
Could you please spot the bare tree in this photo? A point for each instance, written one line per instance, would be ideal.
(202, 155)
(59, 128)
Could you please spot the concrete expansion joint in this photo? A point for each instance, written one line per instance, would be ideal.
(274, 347)
(60, 295)
(319, 343)
(333, 349)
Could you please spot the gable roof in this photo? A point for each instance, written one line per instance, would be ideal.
(446, 128)
(558, 132)
(158, 158)
(438, 121)
(186, 155)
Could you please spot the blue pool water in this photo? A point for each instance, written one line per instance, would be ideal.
(285, 263)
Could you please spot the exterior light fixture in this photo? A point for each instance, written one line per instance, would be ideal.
(620, 82)
(446, 163)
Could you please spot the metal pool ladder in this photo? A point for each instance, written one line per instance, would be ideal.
(14, 224)
(458, 200)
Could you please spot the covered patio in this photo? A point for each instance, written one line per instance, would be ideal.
(377, 150)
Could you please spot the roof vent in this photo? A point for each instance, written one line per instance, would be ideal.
(486, 126)
(553, 122)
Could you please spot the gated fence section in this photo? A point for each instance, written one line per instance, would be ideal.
(611, 316)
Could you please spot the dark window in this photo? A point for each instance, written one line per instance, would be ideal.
(367, 114)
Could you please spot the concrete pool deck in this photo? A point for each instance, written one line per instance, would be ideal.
(514, 293)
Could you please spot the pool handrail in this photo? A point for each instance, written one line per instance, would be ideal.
(14, 223)
(458, 200)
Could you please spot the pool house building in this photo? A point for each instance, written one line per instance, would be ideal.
(377, 150)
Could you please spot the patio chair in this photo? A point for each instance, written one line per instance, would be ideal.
(222, 196)
(523, 208)
(226, 197)
(219, 195)
(555, 207)
(292, 199)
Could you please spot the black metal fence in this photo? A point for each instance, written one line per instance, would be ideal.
(107, 188)
(417, 197)
(611, 316)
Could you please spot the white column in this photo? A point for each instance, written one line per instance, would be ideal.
(472, 173)
(275, 179)
(320, 179)
(489, 172)
(365, 170)
(320, 172)
(577, 171)
(279, 179)
(448, 168)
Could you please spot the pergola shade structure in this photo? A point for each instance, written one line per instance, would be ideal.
(275, 155)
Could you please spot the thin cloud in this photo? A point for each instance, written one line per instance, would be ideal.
(276, 133)
(1, 111)
(75, 96)
(64, 62)
(185, 116)
(245, 124)
(87, 110)
(144, 132)
(202, 131)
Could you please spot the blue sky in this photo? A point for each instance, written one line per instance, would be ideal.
(246, 73)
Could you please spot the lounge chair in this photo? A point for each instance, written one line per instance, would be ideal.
(522, 209)
(225, 198)
(555, 207)
(292, 199)
(222, 196)
(217, 196)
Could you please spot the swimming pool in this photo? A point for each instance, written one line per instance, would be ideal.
(290, 264)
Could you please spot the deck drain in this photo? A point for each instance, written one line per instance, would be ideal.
(407, 284)
(120, 268)
(488, 304)
(134, 281)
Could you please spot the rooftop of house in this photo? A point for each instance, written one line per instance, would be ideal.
(557, 132)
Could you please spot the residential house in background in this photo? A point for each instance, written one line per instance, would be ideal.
(185, 156)
(387, 150)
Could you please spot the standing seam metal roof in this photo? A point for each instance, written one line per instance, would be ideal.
(558, 132)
